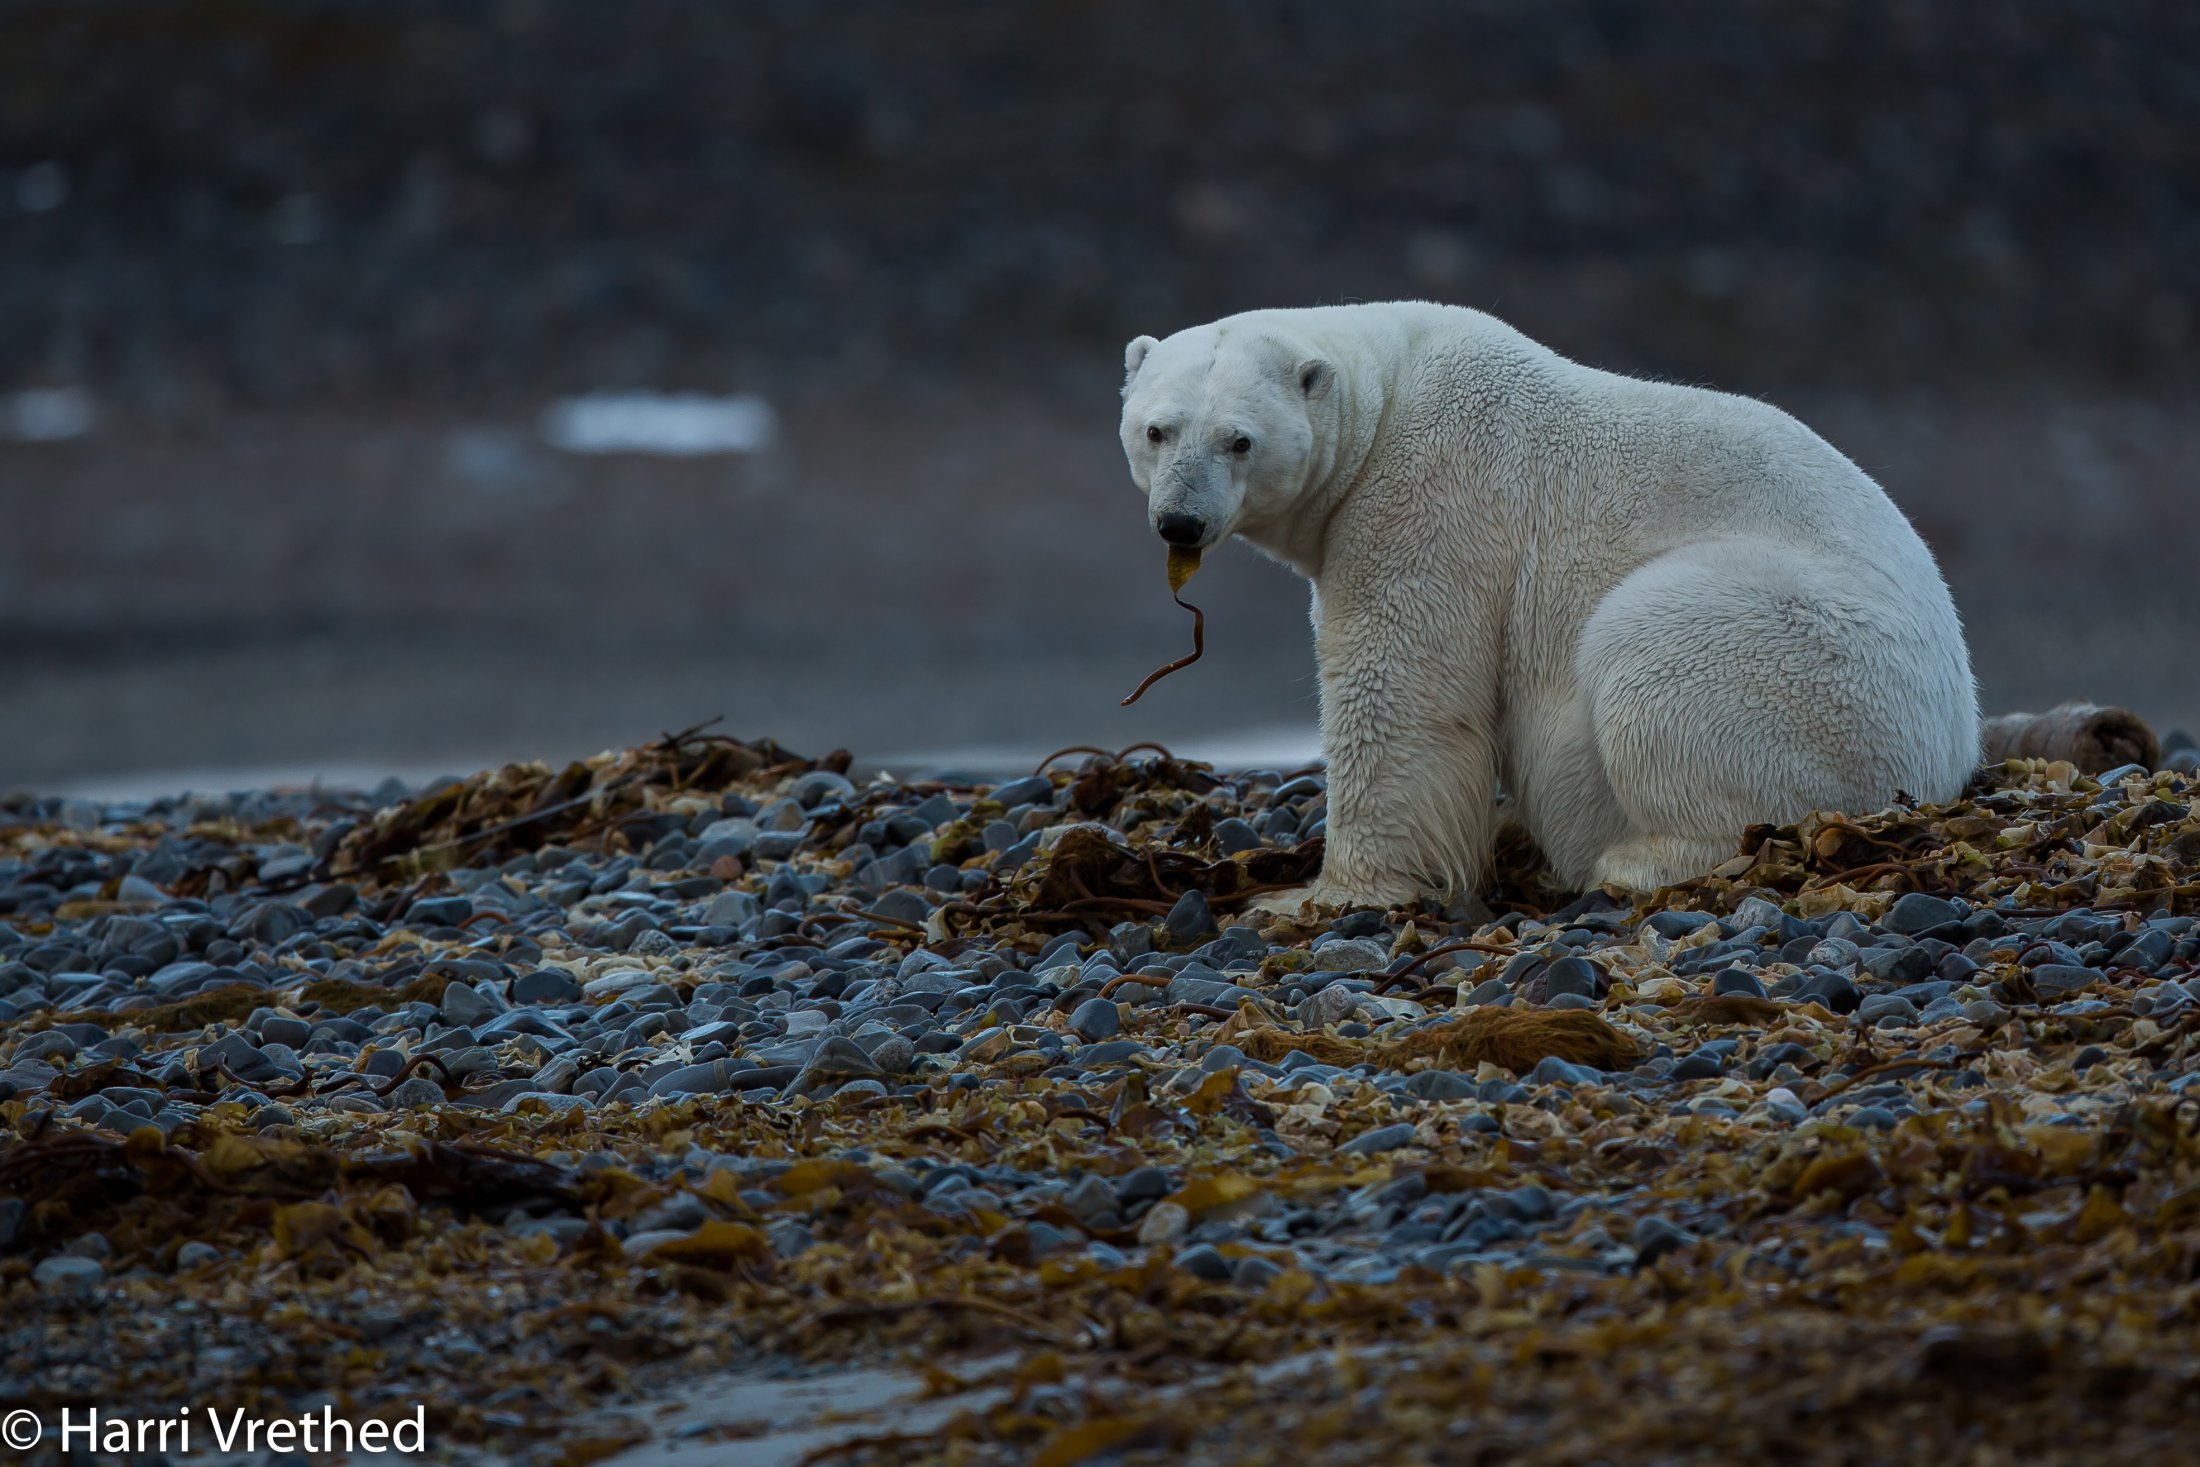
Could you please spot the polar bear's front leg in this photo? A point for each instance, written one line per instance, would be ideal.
(1407, 732)
(1409, 813)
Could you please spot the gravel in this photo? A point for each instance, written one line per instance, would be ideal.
(1245, 1105)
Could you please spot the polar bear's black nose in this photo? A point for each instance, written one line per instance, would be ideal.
(1181, 529)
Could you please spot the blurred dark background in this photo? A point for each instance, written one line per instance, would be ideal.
(286, 289)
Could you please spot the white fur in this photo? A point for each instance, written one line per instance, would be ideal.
(1657, 614)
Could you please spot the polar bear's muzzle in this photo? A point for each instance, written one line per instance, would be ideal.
(1189, 513)
(1178, 528)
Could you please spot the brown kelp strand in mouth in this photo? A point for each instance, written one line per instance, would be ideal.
(1183, 565)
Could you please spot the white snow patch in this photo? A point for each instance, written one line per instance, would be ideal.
(681, 425)
(47, 414)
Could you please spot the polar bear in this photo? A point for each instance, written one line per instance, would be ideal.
(1657, 614)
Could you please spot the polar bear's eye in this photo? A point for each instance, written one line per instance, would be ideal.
(1243, 445)
(1153, 435)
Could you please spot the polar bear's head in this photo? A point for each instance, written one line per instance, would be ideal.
(1224, 429)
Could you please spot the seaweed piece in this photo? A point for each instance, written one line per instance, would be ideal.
(1519, 1039)
(1183, 565)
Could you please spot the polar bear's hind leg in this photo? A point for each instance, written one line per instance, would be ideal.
(1739, 682)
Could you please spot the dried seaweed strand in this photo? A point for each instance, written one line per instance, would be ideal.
(1887, 1067)
(1182, 565)
(1463, 946)
(1148, 979)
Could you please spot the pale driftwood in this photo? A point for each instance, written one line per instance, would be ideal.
(2092, 737)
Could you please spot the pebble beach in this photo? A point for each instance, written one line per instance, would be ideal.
(535, 1097)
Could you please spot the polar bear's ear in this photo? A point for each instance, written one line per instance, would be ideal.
(1134, 357)
(1315, 376)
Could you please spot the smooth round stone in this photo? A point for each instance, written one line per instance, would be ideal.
(414, 1092)
(1737, 981)
(1918, 911)
(282, 1029)
(447, 911)
(2059, 980)
(1204, 1261)
(1191, 918)
(1096, 1019)
(1886, 1006)
(703, 1079)
(1326, 1006)
(1440, 1085)
(1553, 1070)
(545, 986)
(461, 1004)
(1699, 1066)
(1488, 991)
(819, 785)
(1573, 975)
(1379, 1140)
(1090, 1199)
(1833, 952)
(69, 1273)
(1164, 1224)
(1677, 924)
(1655, 1236)
(1783, 1103)
(1031, 789)
(1143, 1184)
(1112, 1051)
(894, 1054)
(1234, 835)
(1352, 955)
(1834, 990)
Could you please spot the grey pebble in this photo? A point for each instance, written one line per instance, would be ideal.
(1255, 1273)
(1918, 911)
(1655, 1236)
(1440, 1085)
(1886, 1006)
(69, 1273)
(1552, 1070)
(1096, 1019)
(545, 986)
(1739, 981)
(1143, 1184)
(1380, 1139)
(414, 1092)
(1031, 789)
(1574, 975)
(1190, 919)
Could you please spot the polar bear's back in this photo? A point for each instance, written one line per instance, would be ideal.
(1551, 462)
(1691, 461)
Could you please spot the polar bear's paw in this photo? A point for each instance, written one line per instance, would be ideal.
(1650, 862)
(1298, 902)
(1321, 898)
